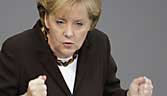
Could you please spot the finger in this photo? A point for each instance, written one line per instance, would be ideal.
(43, 77)
(141, 90)
(145, 90)
(148, 83)
(36, 82)
(39, 80)
(35, 93)
(40, 90)
(45, 93)
(139, 80)
(37, 87)
(134, 86)
(42, 87)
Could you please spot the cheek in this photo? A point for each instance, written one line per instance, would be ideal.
(55, 34)
(81, 38)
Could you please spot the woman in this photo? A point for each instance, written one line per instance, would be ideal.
(63, 55)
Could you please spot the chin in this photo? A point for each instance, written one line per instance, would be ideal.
(69, 53)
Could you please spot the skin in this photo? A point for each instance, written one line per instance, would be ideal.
(67, 30)
(140, 86)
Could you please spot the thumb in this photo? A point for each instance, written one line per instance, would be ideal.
(139, 80)
(42, 77)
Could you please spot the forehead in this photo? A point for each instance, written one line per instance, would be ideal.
(76, 11)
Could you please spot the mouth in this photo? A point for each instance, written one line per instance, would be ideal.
(68, 44)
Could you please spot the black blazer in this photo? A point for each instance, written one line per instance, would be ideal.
(27, 55)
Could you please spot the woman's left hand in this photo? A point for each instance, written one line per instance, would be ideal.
(141, 86)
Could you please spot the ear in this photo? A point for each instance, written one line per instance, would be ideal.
(46, 21)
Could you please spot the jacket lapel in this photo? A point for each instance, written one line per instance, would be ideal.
(47, 60)
(52, 69)
(83, 64)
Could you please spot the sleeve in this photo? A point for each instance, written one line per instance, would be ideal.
(8, 71)
(112, 83)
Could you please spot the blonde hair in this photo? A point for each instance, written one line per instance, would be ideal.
(51, 6)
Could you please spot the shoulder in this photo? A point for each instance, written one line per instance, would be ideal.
(98, 42)
(19, 40)
(24, 40)
(97, 37)
(97, 34)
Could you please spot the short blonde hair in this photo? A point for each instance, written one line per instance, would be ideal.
(51, 6)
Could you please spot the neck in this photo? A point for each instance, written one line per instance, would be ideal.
(64, 59)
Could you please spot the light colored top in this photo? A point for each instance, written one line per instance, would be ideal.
(69, 73)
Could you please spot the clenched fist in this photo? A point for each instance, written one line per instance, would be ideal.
(37, 87)
(141, 86)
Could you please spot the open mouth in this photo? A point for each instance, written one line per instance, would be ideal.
(68, 44)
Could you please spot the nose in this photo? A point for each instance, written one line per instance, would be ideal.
(68, 33)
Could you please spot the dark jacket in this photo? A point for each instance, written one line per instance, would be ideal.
(27, 55)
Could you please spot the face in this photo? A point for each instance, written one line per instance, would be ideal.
(67, 29)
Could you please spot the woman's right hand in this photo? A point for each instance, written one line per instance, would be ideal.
(37, 87)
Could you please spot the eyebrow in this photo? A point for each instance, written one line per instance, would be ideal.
(76, 20)
(62, 18)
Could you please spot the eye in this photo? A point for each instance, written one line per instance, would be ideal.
(60, 21)
(79, 23)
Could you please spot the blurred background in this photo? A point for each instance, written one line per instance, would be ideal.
(137, 30)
